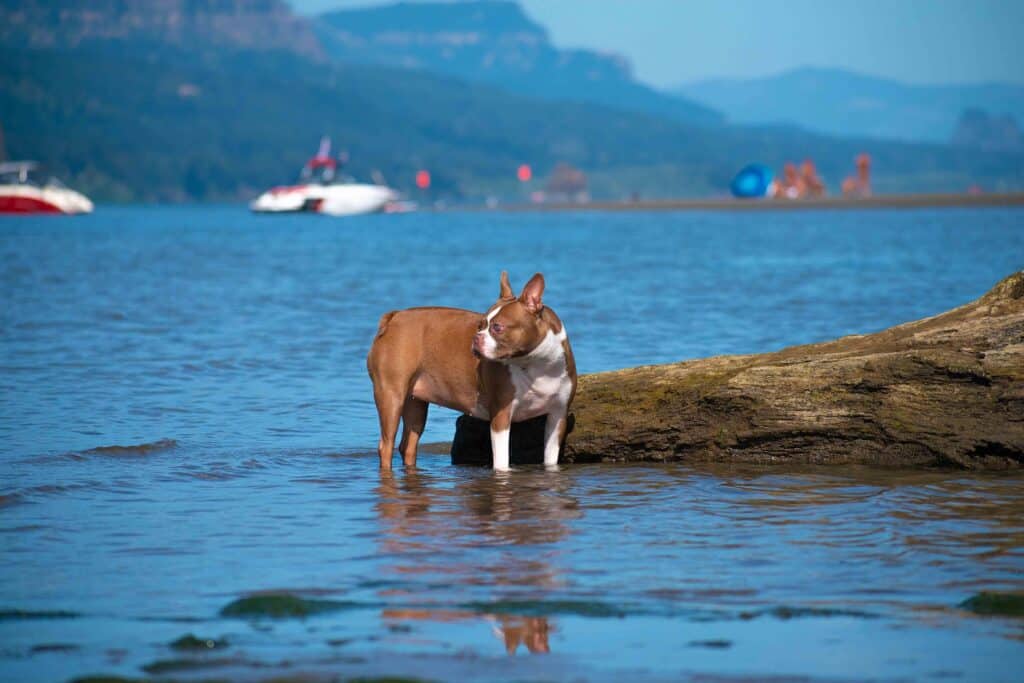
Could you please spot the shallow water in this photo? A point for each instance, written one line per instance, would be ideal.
(240, 340)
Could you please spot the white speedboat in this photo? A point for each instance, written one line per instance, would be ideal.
(323, 189)
(24, 189)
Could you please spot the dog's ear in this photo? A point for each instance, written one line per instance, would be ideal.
(506, 288)
(533, 294)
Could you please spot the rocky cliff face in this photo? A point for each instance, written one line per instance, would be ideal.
(498, 44)
(946, 390)
(496, 38)
(250, 24)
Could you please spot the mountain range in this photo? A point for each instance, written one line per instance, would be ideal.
(218, 99)
(498, 44)
(839, 102)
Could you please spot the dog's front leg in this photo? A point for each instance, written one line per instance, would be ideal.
(554, 435)
(501, 425)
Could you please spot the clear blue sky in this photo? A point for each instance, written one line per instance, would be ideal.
(675, 41)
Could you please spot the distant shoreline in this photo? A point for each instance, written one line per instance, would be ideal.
(888, 201)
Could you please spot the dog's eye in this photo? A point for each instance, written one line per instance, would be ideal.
(482, 325)
(497, 328)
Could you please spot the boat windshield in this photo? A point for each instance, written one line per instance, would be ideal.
(27, 173)
(323, 175)
(19, 175)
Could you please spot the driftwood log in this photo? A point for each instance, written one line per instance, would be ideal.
(942, 391)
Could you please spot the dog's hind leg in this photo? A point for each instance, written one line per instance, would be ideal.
(414, 418)
(389, 410)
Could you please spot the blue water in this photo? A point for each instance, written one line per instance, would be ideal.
(241, 339)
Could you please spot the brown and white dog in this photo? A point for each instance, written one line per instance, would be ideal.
(510, 364)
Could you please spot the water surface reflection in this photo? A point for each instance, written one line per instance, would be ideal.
(434, 530)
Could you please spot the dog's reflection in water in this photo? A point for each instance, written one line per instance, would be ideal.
(529, 631)
(448, 535)
(513, 631)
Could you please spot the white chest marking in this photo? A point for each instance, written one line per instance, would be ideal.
(540, 379)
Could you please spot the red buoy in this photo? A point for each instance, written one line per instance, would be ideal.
(422, 179)
(524, 173)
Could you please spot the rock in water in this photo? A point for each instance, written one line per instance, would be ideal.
(946, 390)
(472, 445)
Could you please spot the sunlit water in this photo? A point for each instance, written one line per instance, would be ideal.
(241, 339)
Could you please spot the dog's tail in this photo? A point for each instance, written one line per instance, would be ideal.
(382, 326)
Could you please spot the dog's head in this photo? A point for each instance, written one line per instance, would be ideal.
(517, 327)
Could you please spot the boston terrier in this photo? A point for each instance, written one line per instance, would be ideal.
(510, 364)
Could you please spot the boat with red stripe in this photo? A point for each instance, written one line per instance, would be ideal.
(26, 189)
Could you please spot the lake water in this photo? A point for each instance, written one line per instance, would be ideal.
(226, 352)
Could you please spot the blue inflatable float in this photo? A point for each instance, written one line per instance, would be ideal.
(752, 181)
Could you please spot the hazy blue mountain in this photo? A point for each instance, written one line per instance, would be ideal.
(498, 44)
(977, 128)
(841, 102)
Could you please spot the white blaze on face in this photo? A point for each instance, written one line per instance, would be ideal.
(490, 345)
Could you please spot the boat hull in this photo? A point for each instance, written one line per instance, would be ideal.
(22, 199)
(349, 199)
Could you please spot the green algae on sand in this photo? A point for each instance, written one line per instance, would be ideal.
(282, 606)
(786, 612)
(54, 647)
(190, 643)
(996, 604)
(712, 644)
(170, 666)
(19, 614)
(134, 449)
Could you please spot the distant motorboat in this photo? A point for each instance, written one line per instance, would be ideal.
(322, 189)
(25, 189)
